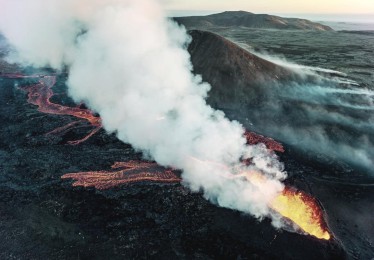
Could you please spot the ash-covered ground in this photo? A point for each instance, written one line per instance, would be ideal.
(43, 217)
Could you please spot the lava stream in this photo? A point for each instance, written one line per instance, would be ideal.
(303, 210)
(271, 144)
(300, 208)
(123, 173)
(40, 94)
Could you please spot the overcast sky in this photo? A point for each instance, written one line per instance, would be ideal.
(275, 6)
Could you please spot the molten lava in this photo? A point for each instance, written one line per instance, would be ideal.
(40, 94)
(303, 210)
(123, 173)
(300, 208)
(253, 138)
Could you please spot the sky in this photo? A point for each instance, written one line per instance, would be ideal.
(276, 6)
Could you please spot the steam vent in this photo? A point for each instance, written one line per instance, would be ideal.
(131, 134)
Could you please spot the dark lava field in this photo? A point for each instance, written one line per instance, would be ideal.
(45, 217)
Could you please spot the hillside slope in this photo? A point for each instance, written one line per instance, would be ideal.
(250, 20)
(238, 77)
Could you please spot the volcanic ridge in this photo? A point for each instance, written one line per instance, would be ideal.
(249, 20)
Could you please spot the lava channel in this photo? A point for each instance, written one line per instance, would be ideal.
(40, 94)
(124, 173)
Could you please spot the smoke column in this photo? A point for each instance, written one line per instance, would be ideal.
(127, 62)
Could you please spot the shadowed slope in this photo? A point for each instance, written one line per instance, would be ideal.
(235, 74)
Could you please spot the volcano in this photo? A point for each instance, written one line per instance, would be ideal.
(139, 209)
(144, 181)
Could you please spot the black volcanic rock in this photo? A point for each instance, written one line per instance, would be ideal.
(250, 20)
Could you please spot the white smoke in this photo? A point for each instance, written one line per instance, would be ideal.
(127, 62)
(323, 108)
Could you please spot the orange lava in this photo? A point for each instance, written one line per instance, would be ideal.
(299, 207)
(303, 210)
(123, 173)
(40, 94)
(253, 138)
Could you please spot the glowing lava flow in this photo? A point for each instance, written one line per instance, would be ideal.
(40, 94)
(253, 138)
(303, 210)
(299, 207)
(123, 173)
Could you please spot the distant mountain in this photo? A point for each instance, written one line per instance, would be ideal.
(238, 77)
(250, 20)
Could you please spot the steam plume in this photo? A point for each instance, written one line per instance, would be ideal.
(331, 116)
(128, 63)
(328, 117)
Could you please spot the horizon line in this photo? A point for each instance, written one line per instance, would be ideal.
(238, 10)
